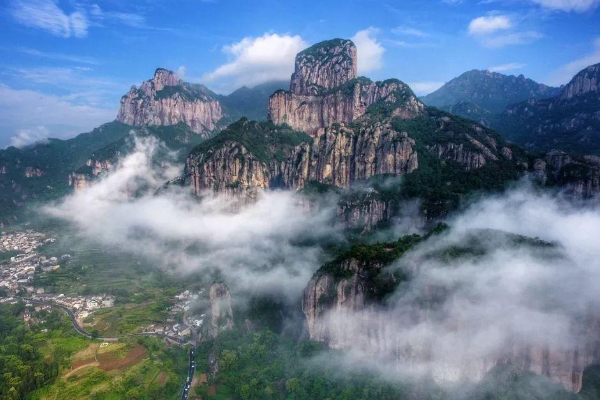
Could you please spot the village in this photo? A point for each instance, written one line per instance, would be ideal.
(17, 282)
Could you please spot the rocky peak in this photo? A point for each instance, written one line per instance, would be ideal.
(324, 66)
(167, 100)
(221, 312)
(163, 77)
(586, 81)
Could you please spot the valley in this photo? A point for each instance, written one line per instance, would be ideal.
(328, 237)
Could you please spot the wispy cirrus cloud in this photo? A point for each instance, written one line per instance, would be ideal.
(568, 5)
(507, 67)
(58, 56)
(565, 73)
(47, 15)
(498, 30)
(408, 31)
(30, 115)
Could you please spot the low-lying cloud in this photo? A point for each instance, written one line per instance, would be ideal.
(267, 246)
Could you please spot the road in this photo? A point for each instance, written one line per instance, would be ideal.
(83, 332)
(191, 370)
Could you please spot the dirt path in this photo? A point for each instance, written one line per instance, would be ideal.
(80, 367)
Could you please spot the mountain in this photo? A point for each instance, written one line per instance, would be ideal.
(47, 170)
(568, 122)
(167, 100)
(360, 279)
(491, 91)
(356, 130)
(250, 102)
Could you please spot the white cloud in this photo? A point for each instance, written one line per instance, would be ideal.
(181, 72)
(25, 111)
(370, 51)
(255, 248)
(47, 15)
(256, 60)
(511, 39)
(507, 67)
(566, 72)
(402, 30)
(24, 137)
(58, 56)
(568, 5)
(426, 87)
(489, 24)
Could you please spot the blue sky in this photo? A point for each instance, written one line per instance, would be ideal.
(64, 64)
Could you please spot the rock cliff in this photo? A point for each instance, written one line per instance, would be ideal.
(325, 89)
(220, 306)
(343, 307)
(167, 100)
(569, 122)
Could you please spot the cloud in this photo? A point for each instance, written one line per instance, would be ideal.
(565, 73)
(25, 111)
(425, 87)
(24, 137)
(507, 67)
(369, 50)
(59, 56)
(456, 317)
(510, 39)
(48, 16)
(402, 30)
(568, 5)
(489, 24)
(258, 247)
(256, 60)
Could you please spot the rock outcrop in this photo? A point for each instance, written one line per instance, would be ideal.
(33, 172)
(338, 157)
(78, 181)
(579, 176)
(325, 89)
(343, 310)
(220, 306)
(167, 100)
(569, 122)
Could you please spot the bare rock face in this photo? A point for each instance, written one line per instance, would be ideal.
(324, 66)
(167, 100)
(3, 169)
(99, 166)
(221, 312)
(338, 157)
(33, 172)
(586, 81)
(325, 89)
(78, 181)
(340, 312)
(579, 176)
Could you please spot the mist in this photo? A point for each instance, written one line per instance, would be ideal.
(269, 246)
(532, 305)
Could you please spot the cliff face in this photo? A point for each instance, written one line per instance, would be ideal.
(580, 176)
(338, 157)
(340, 310)
(569, 122)
(325, 89)
(586, 81)
(167, 100)
(220, 306)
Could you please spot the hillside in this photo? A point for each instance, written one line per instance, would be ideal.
(490, 91)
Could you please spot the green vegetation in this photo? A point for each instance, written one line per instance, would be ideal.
(250, 102)
(266, 141)
(267, 366)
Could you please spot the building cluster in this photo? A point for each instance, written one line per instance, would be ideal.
(16, 274)
(179, 312)
(81, 306)
(23, 242)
